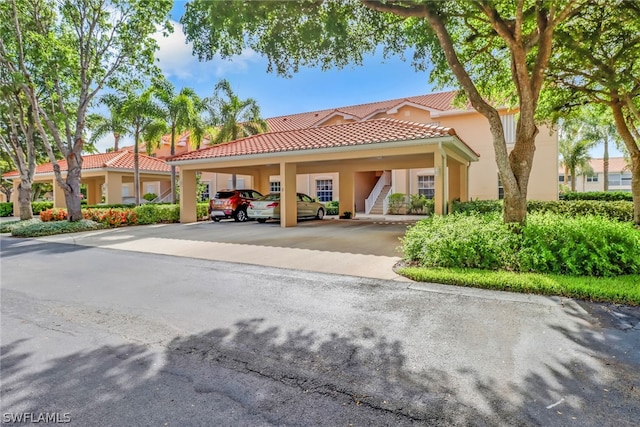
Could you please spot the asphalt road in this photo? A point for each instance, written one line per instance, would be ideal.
(105, 337)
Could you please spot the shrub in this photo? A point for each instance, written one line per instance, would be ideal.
(37, 228)
(37, 207)
(111, 217)
(419, 204)
(112, 206)
(332, 207)
(549, 243)
(591, 245)
(477, 207)
(6, 209)
(615, 210)
(202, 210)
(150, 196)
(397, 202)
(8, 226)
(156, 213)
(53, 215)
(476, 241)
(609, 196)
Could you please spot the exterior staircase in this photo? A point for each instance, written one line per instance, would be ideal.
(377, 208)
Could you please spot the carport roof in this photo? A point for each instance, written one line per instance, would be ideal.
(122, 159)
(342, 135)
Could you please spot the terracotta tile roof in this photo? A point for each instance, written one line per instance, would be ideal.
(122, 159)
(342, 135)
(616, 165)
(435, 101)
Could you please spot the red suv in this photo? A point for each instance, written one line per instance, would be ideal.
(231, 204)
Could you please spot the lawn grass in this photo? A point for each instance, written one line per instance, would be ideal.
(618, 289)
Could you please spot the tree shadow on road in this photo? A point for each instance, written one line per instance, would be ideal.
(253, 373)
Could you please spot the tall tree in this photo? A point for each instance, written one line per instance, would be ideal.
(234, 118)
(574, 150)
(598, 61)
(601, 129)
(180, 111)
(62, 53)
(146, 122)
(102, 125)
(497, 52)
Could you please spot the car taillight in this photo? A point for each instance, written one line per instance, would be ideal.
(273, 205)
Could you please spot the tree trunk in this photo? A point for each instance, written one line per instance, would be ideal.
(635, 187)
(72, 189)
(24, 200)
(605, 164)
(116, 140)
(136, 169)
(622, 127)
(173, 168)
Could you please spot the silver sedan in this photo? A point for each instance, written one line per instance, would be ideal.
(268, 207)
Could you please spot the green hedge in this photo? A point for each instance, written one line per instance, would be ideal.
(609, 196)
(38, 207)
(616, 210)
(332, 208)
(6, 209)
(549, 243)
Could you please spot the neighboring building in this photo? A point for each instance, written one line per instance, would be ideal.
(619, 176)
(296, 139)
(107, 176)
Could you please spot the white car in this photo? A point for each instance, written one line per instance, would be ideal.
(268, 207)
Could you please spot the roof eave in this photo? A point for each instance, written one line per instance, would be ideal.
(472, 156)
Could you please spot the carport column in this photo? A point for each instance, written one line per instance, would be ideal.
(346, 192)
(288, 195)
(58, 196)
(14, 198)
(261, 181)
(114, 188)
(440, 197)
(188, 196)
(94, 191)
(464, 182)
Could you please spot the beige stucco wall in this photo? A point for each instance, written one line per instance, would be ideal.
(473, 129)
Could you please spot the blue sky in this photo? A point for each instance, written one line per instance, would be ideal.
(308, 90)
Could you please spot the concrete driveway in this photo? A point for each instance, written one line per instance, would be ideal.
(366, 247)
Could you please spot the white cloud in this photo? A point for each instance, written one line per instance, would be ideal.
(177, 61)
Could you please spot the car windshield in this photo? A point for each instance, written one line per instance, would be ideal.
(224, 194)
(272, 196)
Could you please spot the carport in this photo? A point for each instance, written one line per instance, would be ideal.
(372, 145)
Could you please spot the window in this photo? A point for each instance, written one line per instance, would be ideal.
(500, 189)
(125, 191)
(239, 183)
(426, 186)
(561, 178)
(324, 190)
(206, 191)
(274, 187)
(509, 126)
(592, 178)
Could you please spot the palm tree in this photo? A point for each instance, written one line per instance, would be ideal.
(574, 150)
(600, 128)
(146, 120)
(233, 117)
(114, 123)
(179, 110)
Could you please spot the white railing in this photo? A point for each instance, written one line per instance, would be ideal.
(385, 179)
(385, 203)
(166, 196)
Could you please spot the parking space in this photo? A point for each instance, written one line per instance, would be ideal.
(367, 247)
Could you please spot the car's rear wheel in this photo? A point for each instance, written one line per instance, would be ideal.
(262, 220)
(215, 219)
(241, 215)
(320, 214)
